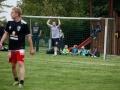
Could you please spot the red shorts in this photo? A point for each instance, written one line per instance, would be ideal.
(16, 56)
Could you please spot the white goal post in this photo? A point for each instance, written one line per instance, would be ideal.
(106, 20)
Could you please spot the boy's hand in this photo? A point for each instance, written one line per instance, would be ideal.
(32, 51)
(0, 45)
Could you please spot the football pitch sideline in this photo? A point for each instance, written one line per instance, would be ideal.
(63, 72)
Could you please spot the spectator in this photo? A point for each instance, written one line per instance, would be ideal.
(95, 52)
(98, 27)
(74, 50)
(61, 40)
(96, 30)
(65, 50)
(36, 33)
(83, 51)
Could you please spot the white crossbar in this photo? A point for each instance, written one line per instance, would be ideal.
(85, 18)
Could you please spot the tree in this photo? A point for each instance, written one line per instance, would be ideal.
(67, 8)
(55, 7)
(1, 8)
(100, 8)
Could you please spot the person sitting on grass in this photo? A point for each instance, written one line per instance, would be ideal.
(65, 50)
(74, 50)
(95, 52)
(83, 51)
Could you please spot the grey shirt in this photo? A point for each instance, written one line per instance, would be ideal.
(55, 31)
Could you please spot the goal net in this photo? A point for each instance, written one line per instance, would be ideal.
(89, 32)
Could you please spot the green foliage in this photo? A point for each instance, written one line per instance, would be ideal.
(1, 6)
(116, 5)
(74, 8)
(1, 1)
(55, 7)
(100, 8)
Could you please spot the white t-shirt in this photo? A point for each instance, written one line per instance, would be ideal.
(55, 31)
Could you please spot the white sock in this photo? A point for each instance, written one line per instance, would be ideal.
(55, 53)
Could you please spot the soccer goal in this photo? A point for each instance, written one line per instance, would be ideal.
(90, 32)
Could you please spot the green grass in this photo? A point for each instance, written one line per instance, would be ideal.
(45, 72)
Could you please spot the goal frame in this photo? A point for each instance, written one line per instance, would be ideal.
(106, 20)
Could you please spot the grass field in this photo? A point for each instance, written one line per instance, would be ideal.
(45, 72)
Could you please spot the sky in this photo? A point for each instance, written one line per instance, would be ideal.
(8, 10)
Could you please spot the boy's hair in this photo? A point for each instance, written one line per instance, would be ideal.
(17, 10)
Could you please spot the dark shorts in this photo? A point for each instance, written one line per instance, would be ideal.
(55, 42)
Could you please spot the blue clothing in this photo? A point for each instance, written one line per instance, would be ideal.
(95, 31)
(36, 40)
(74, 51)
(83, 52)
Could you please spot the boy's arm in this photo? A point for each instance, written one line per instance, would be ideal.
(63, 35)
(59, 23)
(29, 38)
(40, 33)
(4, 37)
(48, 23)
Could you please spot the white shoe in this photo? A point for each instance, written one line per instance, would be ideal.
(55, 55)
(94, 56)
(15, 83)
(20, 85)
